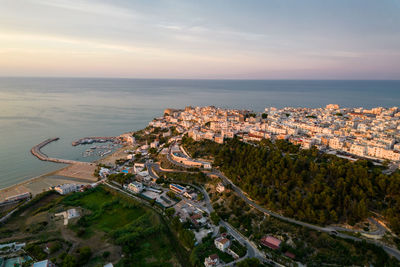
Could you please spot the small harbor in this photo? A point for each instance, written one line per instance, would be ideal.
(36, 151)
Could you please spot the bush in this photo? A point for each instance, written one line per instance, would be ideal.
(84, 255)
(69, 261)
(36, 251)
(106, 254)
(214, 218)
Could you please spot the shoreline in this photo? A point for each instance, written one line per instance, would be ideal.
(29, 181)
(38, 184)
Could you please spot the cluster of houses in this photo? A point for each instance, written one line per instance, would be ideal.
(65, 189)
(369, 133)
(223, 244)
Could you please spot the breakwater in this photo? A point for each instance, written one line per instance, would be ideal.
(42, 156)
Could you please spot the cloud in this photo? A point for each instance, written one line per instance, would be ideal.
(201, 33)
(93, 7)
(170, 27)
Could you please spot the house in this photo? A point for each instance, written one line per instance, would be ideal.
(128, 138)
(207, 165)
(212, 260)
(220, 188)
(271, 242)
(222, 243)
(66, 188)
(45, 263)
(144, 175)
(104, 172)
(195, 218)
(138, 167)
(72, 213)
(290, 255)
(191, 195)
(154, 144)
(136, 187)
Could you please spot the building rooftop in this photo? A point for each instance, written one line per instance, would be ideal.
(271, 242)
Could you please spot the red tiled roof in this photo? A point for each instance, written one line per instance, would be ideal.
(290, 255)
(196, 216)
(213, 256)
(271, 242)
(223, 240)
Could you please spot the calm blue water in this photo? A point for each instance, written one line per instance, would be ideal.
(33, 109)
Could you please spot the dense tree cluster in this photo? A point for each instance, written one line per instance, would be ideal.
(121, 178)
(306, 184)
(185, 235)
(131, 235)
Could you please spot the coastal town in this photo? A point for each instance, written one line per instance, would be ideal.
(215, 221)
(368, 133)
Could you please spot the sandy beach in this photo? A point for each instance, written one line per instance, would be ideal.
(79, 173)
(117, 154)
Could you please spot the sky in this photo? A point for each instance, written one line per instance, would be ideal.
(207, 39)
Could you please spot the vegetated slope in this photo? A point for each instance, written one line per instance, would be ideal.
(306, 184)
(143, 235)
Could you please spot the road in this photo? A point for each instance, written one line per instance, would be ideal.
(330, 230)
(252, 250)
(381, 230)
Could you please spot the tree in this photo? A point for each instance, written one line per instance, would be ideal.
(170, 211)
(222, 229)
(106, 254)
(84, 255)
(187, 238)
(249, 262)
(214, 218)
(69, 261)
(305, 184)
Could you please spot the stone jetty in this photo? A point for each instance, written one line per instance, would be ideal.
(42, 156)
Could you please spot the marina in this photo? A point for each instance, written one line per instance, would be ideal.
(101, 150)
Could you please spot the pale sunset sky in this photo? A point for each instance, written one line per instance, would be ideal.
(227, 39)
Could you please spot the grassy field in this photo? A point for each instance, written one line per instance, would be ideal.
(138, 230)
(112, 228)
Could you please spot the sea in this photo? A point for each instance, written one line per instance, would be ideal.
(34, 109)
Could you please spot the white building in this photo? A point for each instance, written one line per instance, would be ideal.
(222, 243)
(136, 187)
(72, 213)
(358, 150)
(66, 188)
(138, 167)
(211, 261)
(220, 188)
(154, 144)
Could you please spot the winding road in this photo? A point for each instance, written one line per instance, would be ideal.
(330, 230)
(252, 250)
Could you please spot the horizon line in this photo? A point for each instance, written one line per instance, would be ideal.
(204, 79)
